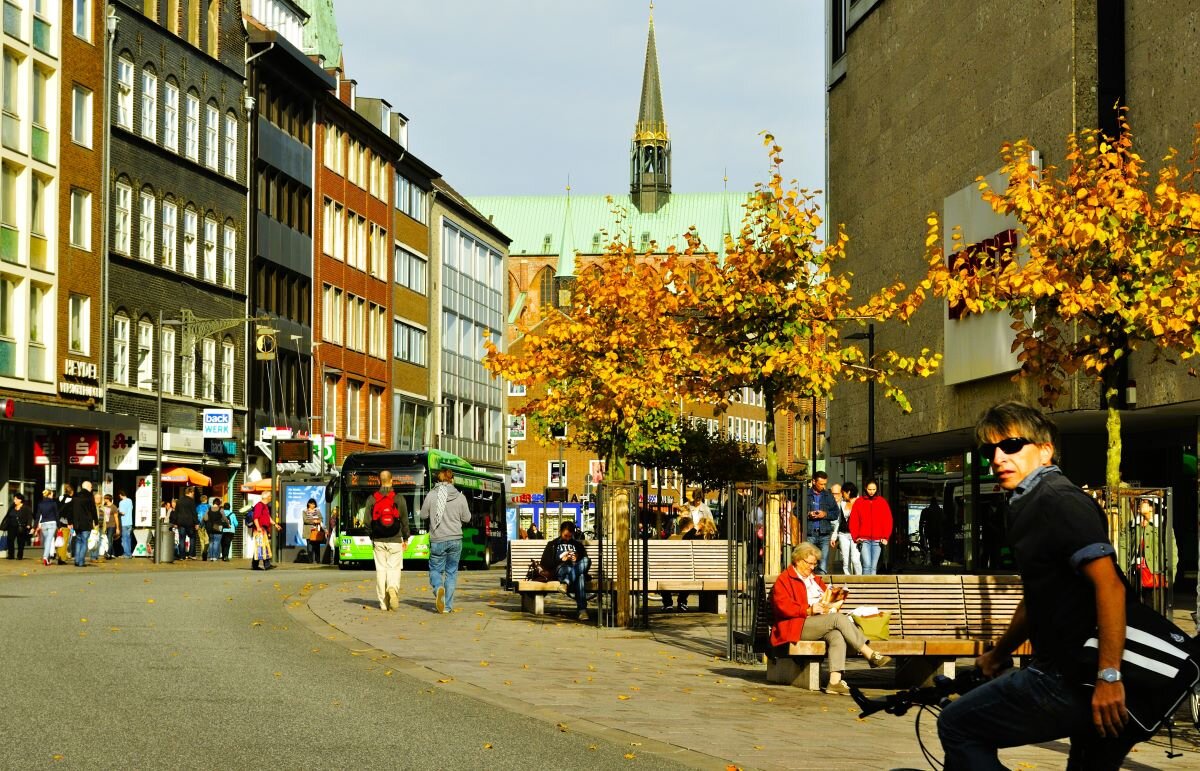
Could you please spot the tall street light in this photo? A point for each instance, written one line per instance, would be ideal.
(159, 530)
(869, 336)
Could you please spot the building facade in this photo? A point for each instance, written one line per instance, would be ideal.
(913, 123)
(177, 231)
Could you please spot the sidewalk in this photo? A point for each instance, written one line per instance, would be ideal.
(668, 691)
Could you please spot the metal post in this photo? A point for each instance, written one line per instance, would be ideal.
(156, 512)
(812, 471)
(562, 480)
(870, 406)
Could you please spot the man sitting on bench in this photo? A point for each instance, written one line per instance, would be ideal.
(566, 559)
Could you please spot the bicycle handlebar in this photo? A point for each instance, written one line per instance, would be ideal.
(936, 695)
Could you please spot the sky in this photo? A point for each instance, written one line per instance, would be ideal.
(515, 97)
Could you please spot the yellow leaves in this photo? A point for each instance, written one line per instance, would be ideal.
(630, 756)
(623, 697)
(487, 746)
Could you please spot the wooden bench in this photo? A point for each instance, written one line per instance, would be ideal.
(699, 567)
(935, 620)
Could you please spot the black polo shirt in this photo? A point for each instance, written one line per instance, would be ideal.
(1054, 530)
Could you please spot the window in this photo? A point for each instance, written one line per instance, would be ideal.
(360, 242)
(212, 35)
(167, 360)
(355, 322)
(145, 355)
(41, 96)
(375, 414)
(212, 122)
(188, 376)
(227, 353)
(409, 343)
(331, 314)
(410, 199)
(339, 232)
(170, 235)
(171, 117)
(351, 164)
(410, 270)
(121, 349)
(125, 93)
(330, 409)
(146, 228)
(191, 225)
(121, 224)
(37, 204)
(79, 332)
(228, 257)
(149, 105)
(208, 368)
(210, 249)
(327, 227)
(333, 148)
(231, 144)
(83, 19)
(353, 397)
(81, 116)
(192, 127)
(37, 361)
(377, 334)
(150, 9)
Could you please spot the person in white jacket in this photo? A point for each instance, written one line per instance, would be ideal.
(844, 494)
(446, 510)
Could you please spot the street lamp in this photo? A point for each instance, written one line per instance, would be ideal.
(156, 512)
(869, 336)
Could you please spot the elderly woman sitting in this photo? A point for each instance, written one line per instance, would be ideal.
(803, 608)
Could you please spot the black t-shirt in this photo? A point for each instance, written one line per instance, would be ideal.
(1054, 530)
(553, 554)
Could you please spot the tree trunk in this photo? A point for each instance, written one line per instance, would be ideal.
(1112, 469)
(772, 450)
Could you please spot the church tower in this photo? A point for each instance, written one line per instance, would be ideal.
(650, 155)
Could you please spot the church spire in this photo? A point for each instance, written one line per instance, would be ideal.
(650, 155)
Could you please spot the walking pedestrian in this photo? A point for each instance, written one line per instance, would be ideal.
(97, 537)
(185, 521)
(202, 537)
(83, 517)
(17, 523)
(214, 523)
(822, 514)
(446, 510)
(389, 537)
(47, 516)
(231, 523)
(1073, 592)
(315, 527)
(851, 557)
(264, 526)
(125, 517)
(871, 526)
(112, 527)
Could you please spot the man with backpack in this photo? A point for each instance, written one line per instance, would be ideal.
(389, 536)
(446, 510)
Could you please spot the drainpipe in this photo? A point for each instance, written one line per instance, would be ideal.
(110, 32)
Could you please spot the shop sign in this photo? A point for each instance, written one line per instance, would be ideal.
(83, 448)
(218, 424)
(45, 450)
(123, 453)
(143, 502)
(183, 439)
(85, 371)
(220, 447)
(325, 446)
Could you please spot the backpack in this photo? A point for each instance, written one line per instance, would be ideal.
(385, 517)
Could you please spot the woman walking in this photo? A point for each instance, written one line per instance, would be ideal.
(47, 516)
(17, 524)
(213, 525)
(231, 523)
(871, 526)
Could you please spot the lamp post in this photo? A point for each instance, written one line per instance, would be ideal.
(156, 512)
(869, 336)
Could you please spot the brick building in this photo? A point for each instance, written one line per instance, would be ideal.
(177, 229)
(920, 98)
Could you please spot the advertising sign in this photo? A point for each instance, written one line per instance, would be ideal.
(123, 453)
(295, 501)
(218, 423)
(83, 448)
(326, 447)
(143, 502)
(45, 450)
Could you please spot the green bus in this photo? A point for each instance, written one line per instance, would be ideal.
(485, 538)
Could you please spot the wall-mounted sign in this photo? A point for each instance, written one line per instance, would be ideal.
(218, 424)
(45, 450)
(82, 380)
(123, 452)
(83, 448)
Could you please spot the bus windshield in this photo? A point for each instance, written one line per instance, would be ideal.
(409, 485)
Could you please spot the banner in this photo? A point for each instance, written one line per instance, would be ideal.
(143, 502)
(295, 501)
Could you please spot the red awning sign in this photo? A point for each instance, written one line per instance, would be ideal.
(83, 448)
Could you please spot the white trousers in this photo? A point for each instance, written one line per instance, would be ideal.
(389, 563)
(851, 560)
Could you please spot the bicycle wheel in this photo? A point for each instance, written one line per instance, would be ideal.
(1195, 704)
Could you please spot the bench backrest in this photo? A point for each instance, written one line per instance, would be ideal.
(991, 602)
(670, 560)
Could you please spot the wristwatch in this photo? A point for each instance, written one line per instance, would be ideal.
(1109, 675)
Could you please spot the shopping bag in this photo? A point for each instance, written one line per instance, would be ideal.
(103, 547)
(875, 627)
(93, 540)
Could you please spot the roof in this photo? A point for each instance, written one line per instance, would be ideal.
(651, 122)
(320, 32)
(443, 188)
(536, 223)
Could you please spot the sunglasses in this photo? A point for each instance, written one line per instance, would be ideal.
(1010, 446)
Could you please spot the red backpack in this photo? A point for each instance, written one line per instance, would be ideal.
(385, 517)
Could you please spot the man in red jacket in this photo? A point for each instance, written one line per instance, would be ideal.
(871, 526)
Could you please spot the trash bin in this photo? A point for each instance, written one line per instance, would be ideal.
(164, 543)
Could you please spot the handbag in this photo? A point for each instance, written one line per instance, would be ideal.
(1150, 579)
(875, 627)
(537, 573)
(317, 535)
(1159, 668)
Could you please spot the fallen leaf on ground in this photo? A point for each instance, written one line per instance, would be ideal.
(483, 663)
(562, 727)
(446, 680)
(630, 756)
(487, 746)
(623, 697)
(83, 620)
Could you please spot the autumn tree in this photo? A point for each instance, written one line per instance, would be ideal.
(704, 458)
(607, 365)
(1105, 263)
(772, 315)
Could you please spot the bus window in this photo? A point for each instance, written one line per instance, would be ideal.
(360, 500)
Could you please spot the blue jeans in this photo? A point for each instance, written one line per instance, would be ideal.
(821, 541)
(182, 547)
(81, 547)
(1026, 706)
(127, 541)
(574, 575)
(214, 546)
(443, 559)
(870, 551)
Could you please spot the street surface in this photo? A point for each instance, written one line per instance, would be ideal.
(200, 666)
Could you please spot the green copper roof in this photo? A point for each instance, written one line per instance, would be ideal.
(537, 223)
(320, 33)
(651, 119)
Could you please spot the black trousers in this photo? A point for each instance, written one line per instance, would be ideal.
(16, 543)
(314, 551)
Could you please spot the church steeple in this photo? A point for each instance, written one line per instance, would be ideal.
(650, 155)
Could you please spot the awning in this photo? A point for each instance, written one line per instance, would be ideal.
(257, 486)
(181, 475)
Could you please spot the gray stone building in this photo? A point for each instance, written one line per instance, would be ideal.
(921, 95)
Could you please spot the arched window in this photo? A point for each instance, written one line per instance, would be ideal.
(147, 206)
(546, 286)
(149, 105)
(227, 356)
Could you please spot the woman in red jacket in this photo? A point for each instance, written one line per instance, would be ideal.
(802, 609)
(870, 526)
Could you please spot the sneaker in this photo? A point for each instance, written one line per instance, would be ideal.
(583, 615)
(440, 601)
(683, 608)
(877, 660)
(393, 599)
(838, 689)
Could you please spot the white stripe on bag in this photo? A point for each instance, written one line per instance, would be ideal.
(1137, 659)
(1150, 641)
